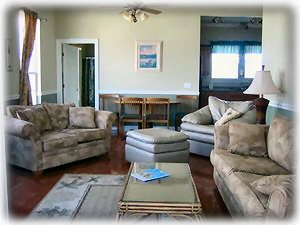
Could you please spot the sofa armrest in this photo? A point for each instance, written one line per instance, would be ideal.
(21, 128)
(202, 116)
(104, 120)
(281, 200)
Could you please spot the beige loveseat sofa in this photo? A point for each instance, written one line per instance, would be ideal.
(49, 135)
(253, 168)
(199, 125)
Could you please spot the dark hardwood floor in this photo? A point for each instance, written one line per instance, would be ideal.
(26, 190)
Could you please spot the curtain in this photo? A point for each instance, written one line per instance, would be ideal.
(30, 29)
(236, 47)
(88, 81)
(229, 49)
(253, 49)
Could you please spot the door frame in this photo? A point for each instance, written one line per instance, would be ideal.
(59, 43)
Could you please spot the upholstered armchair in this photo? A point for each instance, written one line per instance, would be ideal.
(49, 135)
(199, 125)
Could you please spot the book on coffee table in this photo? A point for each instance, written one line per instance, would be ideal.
(150, 174)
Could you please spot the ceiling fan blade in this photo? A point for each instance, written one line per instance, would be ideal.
(153, 11)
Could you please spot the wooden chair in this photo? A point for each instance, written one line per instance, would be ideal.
(109, 102)
(131, 110)
(157, 110)
(187, 104)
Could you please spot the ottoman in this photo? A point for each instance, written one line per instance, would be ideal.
(156, 145)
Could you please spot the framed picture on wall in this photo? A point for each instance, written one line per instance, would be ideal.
(148, 56)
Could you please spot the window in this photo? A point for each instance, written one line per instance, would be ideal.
(252, 60)
(35, 62)
(252, 64)
(235, 60)
(219, 70)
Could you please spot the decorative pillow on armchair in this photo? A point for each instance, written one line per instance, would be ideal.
(201, 116)
(230, 114)
(82, 117)
(247, 139)
(218, 107)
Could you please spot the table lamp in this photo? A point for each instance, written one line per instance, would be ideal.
(262, 84)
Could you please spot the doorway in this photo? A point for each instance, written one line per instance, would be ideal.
(77, 72)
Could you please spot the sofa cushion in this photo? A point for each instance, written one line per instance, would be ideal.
(36, 115)
(84, 135)
(267, 184)
(247, 139)
(205, 129)
(82, 117)
(221, 139)
(157, 135)
(252, 204)
(227, 163)
(247, 117)
(11, 110)
(201, 116)
(281, 141)
(58, 114)
(230, 114)
(157, 148)
(55, 140)
(218, 107)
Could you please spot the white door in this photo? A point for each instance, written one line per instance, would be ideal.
(71, 71)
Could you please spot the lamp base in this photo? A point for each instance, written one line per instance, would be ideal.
(261, 105)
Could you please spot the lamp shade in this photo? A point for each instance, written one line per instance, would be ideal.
(262, 84)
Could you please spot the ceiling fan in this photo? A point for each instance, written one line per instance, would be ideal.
(133, 13)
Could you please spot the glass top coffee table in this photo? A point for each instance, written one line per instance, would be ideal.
(175, 195)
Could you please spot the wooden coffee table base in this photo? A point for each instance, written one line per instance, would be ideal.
(191, 211)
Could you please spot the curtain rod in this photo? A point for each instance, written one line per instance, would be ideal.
(42, 19)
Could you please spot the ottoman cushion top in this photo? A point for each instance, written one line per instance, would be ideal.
(157, 135)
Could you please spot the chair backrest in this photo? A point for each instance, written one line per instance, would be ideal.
(188, 103)
(158, 108)
(131, 105)
(108, 102)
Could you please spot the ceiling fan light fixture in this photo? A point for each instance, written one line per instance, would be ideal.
(126, 15)
(143, 16)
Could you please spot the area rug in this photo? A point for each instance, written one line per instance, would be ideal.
(79, 196)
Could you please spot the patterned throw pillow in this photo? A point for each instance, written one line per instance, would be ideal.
(247, 139)
(82, 117)
(58, 114)
(281, 143)
(230, 114)
(36, 115)
(221, 137)
(267, 184)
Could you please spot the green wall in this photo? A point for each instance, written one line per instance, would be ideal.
(274, 111)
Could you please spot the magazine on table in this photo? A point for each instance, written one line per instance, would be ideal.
(149, 174)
